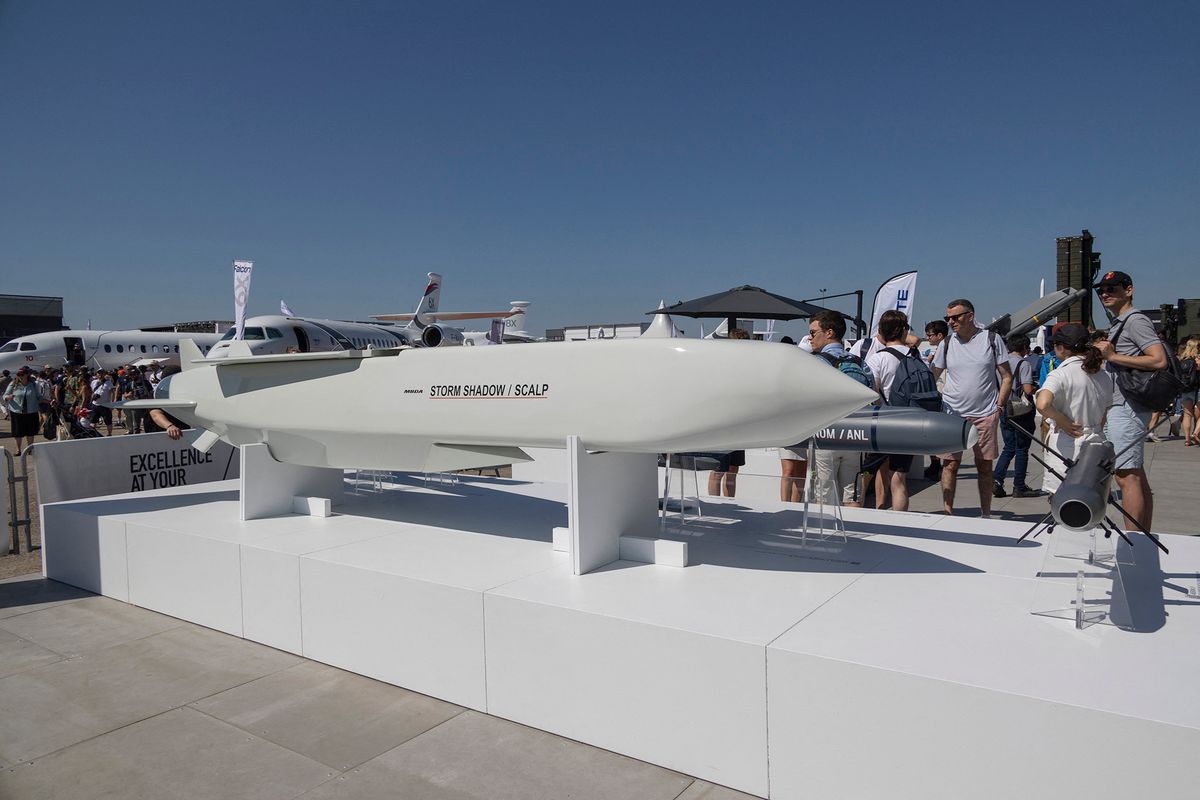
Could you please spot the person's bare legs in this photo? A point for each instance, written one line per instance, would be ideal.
(714, 483)
(731, 482)
(899, 491)
(882, 479)
(1136, 497)
(791, 482)
(984, 467)
(949, 481)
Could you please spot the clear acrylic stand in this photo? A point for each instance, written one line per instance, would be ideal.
(837, 533)
(682, 506)
(441, 478)
(1092, 548)
(1088, 594)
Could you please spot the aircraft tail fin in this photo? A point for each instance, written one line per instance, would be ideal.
(515, 323)
(429, 304)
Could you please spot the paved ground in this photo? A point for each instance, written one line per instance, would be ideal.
(103, 699)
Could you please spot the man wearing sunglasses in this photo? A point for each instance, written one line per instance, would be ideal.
(1137, 347)
(978, 382)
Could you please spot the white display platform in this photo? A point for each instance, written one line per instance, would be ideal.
(904, 662)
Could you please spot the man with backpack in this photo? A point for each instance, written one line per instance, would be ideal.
(978, 382)
(837, 469)
(1020, 413)
(902, 379)
(1132, 347)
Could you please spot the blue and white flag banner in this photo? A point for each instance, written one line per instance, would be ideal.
(898, 293)
(241, 293)
(283, 309)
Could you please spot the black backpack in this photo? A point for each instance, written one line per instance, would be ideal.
(1190, 375)
(1154, 390)
(913, 385)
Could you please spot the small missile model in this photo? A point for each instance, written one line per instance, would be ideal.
(438, 409)
(1083, 497)
(1039, 312)
(902, 431)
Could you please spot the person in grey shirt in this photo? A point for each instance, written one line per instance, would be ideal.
(1137, 347)
(1016, 444)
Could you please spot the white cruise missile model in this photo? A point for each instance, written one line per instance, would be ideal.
(455, 408)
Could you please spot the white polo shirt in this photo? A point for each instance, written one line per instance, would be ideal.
(1081, 397)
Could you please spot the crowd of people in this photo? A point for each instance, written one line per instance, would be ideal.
(68, 402)
(1089, 386)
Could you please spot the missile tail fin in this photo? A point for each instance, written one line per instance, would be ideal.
(189, 353)
(205, 441)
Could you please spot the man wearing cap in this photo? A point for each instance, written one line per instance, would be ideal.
(1132, 344)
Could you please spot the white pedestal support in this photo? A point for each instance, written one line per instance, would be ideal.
(609, 495)
(269, 488)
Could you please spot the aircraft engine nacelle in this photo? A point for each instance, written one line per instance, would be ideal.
(441, 336)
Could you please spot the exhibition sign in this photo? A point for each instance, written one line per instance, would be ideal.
(897, 293)
(80, 468)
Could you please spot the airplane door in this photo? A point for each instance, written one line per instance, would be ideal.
(301, 339)
(75, 354)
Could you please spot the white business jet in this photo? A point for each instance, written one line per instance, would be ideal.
(97, 349)
(274, 333)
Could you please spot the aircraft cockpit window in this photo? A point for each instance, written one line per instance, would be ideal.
(273, 333)
(11, 347)
(28, 346)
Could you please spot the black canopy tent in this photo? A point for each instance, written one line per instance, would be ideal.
(743, 302)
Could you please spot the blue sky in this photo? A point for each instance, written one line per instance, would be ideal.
(591, 158)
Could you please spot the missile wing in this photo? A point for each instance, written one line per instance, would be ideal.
(451, 408)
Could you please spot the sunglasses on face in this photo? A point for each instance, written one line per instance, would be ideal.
(1109, 288)
(955, 317)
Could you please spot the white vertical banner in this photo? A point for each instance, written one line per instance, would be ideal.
(898, 293)
(241, 293)
(283, 309)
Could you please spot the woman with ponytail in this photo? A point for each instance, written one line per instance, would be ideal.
(1075, 397)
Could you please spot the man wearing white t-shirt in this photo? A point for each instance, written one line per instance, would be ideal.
(884, 364)
(978, 382)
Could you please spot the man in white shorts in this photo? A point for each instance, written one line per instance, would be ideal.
(978, 382)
